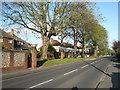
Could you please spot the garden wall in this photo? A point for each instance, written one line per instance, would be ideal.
(14, 60)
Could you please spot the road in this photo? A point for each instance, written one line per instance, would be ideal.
(84, 74)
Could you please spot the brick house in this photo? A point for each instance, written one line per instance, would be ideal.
(11, 42)
(66, 47)
(16, 52)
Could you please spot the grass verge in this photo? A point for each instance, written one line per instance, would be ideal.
(61, 61)
(64, 61)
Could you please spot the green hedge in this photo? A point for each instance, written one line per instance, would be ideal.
(118, 52)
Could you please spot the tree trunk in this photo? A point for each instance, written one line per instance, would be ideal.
(75, 50)
(75, 43)
(45, 47)
(62, 51)
(62, 54)
(83, 48)
(83, 54)
(95, 52)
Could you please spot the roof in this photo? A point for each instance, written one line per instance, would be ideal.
(5, 34)
(8, 35)
(55, 42)
(79, 47)
(64, 44)
(33, 45)
(67, 44)
(21, 40)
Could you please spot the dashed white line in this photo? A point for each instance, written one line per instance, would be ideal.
(96, 61)
(92, 62)
(70, 72)
(84, 66)
(39, 84)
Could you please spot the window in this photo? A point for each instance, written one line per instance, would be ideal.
(20, 43)
(9, 41)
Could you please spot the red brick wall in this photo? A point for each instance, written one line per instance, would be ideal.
(11, 65)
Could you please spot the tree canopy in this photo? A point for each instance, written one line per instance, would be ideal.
(77, 19)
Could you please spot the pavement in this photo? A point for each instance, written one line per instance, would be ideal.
(108, 73)
(112, 80)
(17, 73)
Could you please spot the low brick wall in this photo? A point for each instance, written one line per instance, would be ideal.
(14, 60)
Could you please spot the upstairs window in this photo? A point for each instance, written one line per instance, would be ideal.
(9, 41)
(20, 43)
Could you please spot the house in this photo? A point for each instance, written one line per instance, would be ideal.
(15, 52)
(11, 42)
(68, 48)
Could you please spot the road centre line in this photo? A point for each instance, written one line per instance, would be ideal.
(39, 84)
(92, 62)
(84, 66)
(70, 72)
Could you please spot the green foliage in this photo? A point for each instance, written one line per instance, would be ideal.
(58, 16)
(64, 61)
(51, 50)
(106, 52)
(116, 47)
(118, 53)
(31, 48)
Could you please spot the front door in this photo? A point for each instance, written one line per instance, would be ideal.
(29, 60)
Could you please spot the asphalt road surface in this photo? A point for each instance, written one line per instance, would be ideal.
(83, 74)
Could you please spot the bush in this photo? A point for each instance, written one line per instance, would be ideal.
(51, 52)
(116, 47)
(118, 52)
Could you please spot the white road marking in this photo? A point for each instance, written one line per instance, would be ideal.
(92, 62)
(91, 59)
(84, 66)
(96, 61)
(39, 84)
(70, 72)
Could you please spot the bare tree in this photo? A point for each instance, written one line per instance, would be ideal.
(80, 14)
(46, 18)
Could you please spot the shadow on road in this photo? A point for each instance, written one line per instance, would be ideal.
(115, 78)
(74, 88)
(98, 69)
(115, 60)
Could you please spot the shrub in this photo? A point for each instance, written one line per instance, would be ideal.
(118, 52)
(116, 47)
(51, 52)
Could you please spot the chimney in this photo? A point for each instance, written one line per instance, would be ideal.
(12, 32)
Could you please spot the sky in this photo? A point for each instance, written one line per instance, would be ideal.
(109, 10)
(119, 21)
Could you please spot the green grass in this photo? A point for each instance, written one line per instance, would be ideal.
(63, 61)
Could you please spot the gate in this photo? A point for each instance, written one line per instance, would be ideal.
(29, 60)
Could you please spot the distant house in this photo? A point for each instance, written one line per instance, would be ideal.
(66, 47)
(10, 41)
(56, 44)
